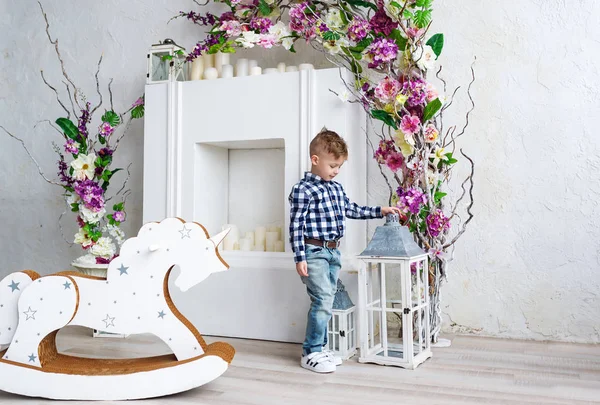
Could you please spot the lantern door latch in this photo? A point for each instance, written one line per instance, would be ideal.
(406, 311)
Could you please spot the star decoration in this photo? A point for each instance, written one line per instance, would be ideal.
(30, 314)
(67, 285)
(123, 270)
(185, 233)
(14, 286)
(32, 357)
(161, 314)
(109, 321)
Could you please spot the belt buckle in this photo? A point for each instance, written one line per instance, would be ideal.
(336, 241)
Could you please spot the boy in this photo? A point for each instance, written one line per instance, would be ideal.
(318, 207)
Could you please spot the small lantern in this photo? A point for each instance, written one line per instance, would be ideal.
(166, 62)
(341, 330)
(394, 299)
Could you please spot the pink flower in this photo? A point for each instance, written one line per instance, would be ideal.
(106, 129)
(394, 161)
(410, 124)
(431, 92)
(431, 133)
(414, 32)
(267, 40)
(387, 89)
(232, 28)
(119, 216)
(138, 102)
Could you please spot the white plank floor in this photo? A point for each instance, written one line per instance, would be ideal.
(473, 370)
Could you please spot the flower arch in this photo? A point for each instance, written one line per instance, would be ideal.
(387, 46)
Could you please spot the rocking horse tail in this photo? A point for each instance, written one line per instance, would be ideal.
(11, 288)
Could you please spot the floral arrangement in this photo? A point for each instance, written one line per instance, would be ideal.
(84, 165)
(387, 46)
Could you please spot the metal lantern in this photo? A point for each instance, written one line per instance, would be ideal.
(393, 299)
(166, 62)
(341, 330)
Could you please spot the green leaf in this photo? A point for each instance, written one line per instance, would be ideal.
(424, 3)
(331, 36)
(438, 197)
(119, 206)
(361, 45)
(450, 160)
(74, 207)
(112, 118)
(361, 3)
(68, 128)
(385, 117)
(431, 109)
(436, 42)
(102, 139)
(138, 111)
(396, 35)
(397, 5)
(264, 8)
(292, 50)
(422, 18)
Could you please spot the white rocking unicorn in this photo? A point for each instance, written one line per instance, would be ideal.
(134, 298)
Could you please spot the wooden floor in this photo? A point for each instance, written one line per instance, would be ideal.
(473, 370)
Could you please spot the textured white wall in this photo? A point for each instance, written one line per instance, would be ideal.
(527, 267)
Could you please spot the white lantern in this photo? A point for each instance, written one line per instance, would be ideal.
(394, 299)
(341, 330)
(166, 62)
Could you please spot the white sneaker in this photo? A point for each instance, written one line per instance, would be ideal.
(332, 357)
(318, 362)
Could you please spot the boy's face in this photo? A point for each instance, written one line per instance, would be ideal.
(326, 166)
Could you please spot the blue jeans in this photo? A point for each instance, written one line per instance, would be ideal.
(321, 285)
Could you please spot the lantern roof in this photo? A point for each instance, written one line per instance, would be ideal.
(168, 43)
(392, 240)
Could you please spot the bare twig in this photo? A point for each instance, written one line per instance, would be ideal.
(97, 87)
(110, 94)
(55, 92)
(52, 125)
(40, 171)
(471, 99)
(70, 98)
(124, 183)
(470, 180)
(62, 233)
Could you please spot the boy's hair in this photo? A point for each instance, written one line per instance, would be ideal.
(329, 142)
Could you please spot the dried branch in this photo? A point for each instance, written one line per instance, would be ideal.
(40, 171)
(123, 134)
(52, 125)
(62, 63)
(97, 87)
(470, 180)
(387, 181)
(70, 98)
(124, 183)
(62, 233)
(470, 98)
(110, 94)
(55, 92)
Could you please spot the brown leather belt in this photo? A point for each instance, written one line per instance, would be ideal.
(332, 244)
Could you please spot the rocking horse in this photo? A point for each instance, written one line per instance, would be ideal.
(134, 298)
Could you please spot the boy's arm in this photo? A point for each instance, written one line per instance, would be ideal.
(356, 211)
(299, 202)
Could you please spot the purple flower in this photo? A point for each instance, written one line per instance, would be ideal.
(384, 150)
(138, 102)
(105, 152)
(411, 200)
(323, 27)
(197, 18)
(261, 25)
(416, 90)
(382, 50)
(394, 161)
(358, 29)
(63, 173)
(302, 19)
(119, 216)
(91, 194)
(437, 223)
(382, 24)
(198, 50)
(105, 130)
(83, 120)
(71, 147)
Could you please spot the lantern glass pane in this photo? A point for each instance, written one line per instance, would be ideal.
(336, 342)
(395, 334)
(419, 342)
(418, 272)
(160, 68)
(335, 319)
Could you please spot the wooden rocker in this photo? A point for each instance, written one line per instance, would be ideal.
(134, 298)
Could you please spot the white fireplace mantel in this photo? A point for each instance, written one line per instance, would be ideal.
(233, 148)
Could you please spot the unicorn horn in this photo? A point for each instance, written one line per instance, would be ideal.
(218, 238)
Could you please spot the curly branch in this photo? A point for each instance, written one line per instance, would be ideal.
(110, 94)
(471, 99)
(97, 87)
(470, 180)
(55, 92)
(52, 125)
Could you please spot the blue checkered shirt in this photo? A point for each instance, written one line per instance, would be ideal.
(317, 211)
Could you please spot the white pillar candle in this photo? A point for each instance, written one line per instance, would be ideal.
(197, 69)
(220, 60)
(232, 237)
(250, 236)
(259, 248)
(245, 245)
(259, 236)
(211, 73)
(252, 63)
(291, 69)
(279, 247)
(270, 71)
(305, 66)
(241, 67)
(255, 71)
(271, 238)
(281, 67)
(209, 60)
(226, 71)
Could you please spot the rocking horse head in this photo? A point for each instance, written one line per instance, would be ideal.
(176, 242)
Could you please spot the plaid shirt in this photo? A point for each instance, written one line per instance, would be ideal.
(317, 211)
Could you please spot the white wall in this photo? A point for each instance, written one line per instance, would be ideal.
(528, 265)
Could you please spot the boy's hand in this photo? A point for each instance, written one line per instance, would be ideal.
(390, 210)
(302, 269)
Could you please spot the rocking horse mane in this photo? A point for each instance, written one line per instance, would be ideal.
(154, 232)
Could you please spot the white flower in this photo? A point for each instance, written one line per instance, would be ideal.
(287, 43)
(391, 10)
(248, 39)
(432, 178)
(84, 167)
(335, 47)
(104, 248)
(116, 233)
(425, 57)
(344, 95)
(439, 154)
(90, 216)
(72, 199)
(414, 164)
(334, 19)
(82, 239)
(280, 30)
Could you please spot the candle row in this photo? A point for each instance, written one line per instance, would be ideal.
(210, 67)
(262, 239)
